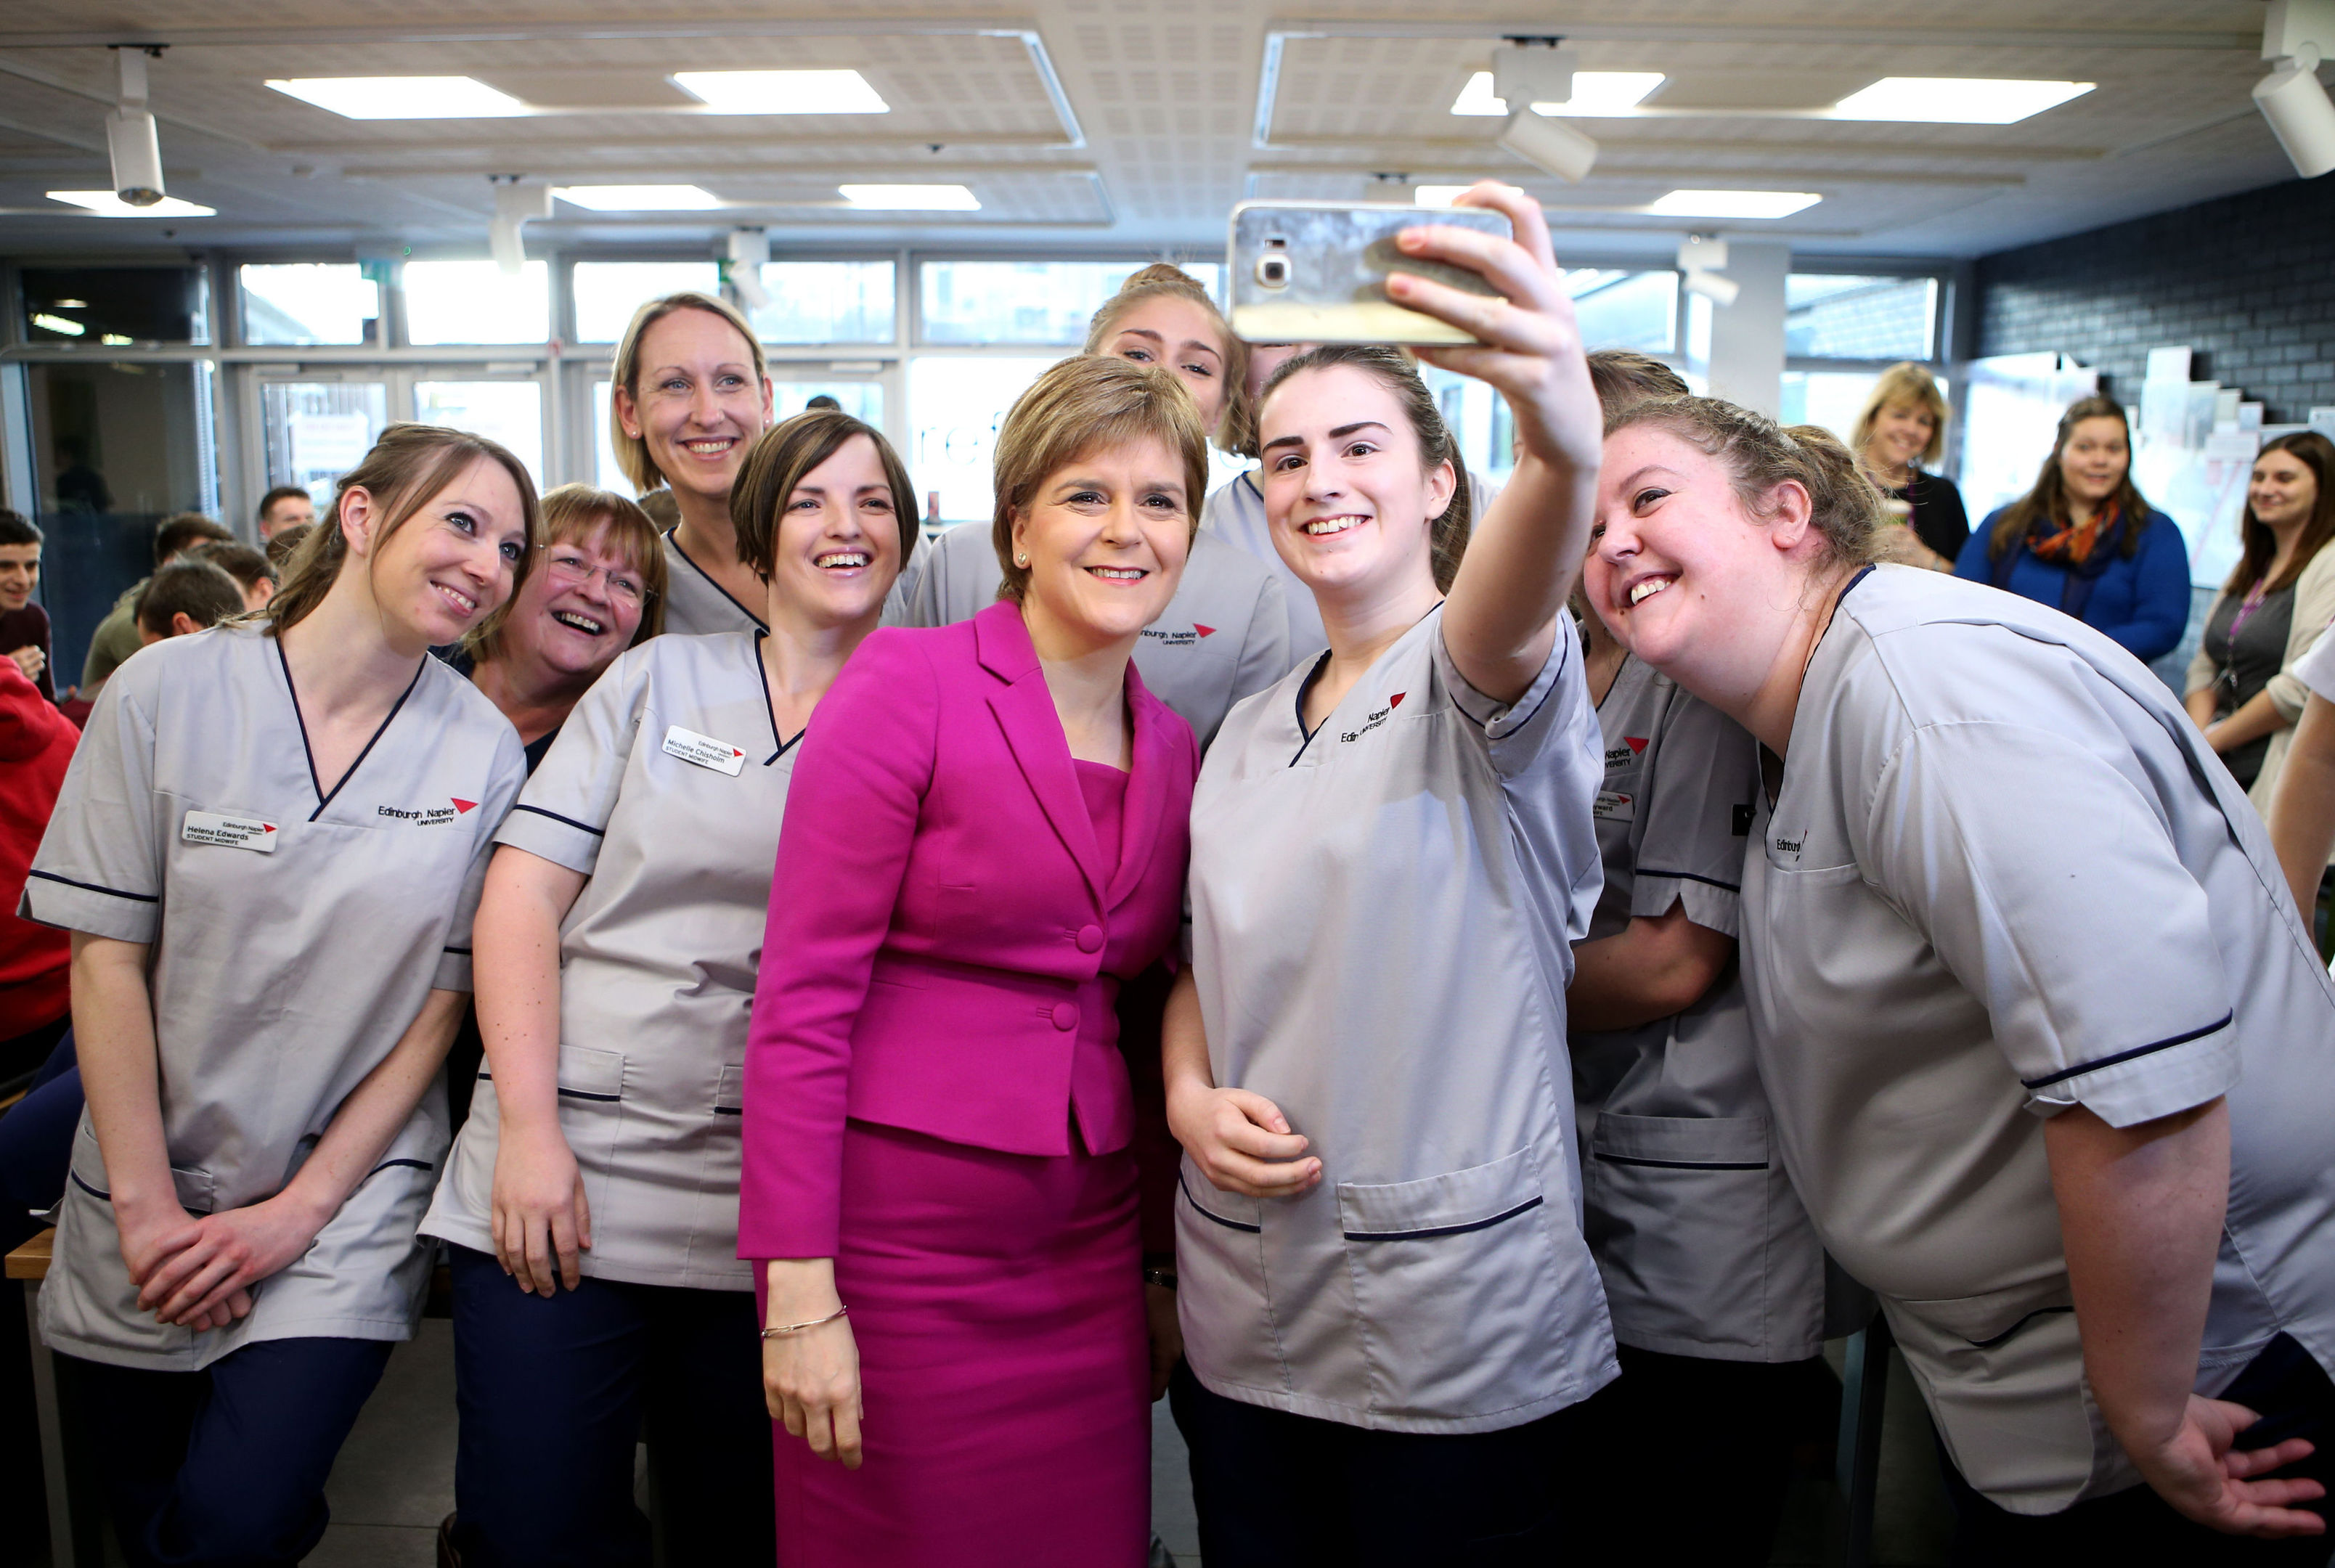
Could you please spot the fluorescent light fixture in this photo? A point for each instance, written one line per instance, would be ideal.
(781, 92)
(403, 97)
(1593, 92)
(1437, 195)
(58, 324)
(1733, 203)
(113, 340)
(911, 198)
(107, 204)
(638, 197)
(69, 304)
(1956, 100)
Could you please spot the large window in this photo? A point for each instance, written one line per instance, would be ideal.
(821, 302)
(509, 412)
(308, 303)
(1024, 301)
(1632, 310)
(609, 292)
(1831, 315)
(955, 404)
(464, 302)
(115, 306)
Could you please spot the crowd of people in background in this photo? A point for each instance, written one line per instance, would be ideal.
(1461, 990)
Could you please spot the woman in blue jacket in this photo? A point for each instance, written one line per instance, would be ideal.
(2084, 541)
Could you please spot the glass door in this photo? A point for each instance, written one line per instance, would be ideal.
(312, 431)
(504, 409)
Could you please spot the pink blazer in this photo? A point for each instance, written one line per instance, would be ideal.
(944, 943)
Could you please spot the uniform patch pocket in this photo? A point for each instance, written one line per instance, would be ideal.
(729, 1094)
(1678, 1216)
(1455, 1286)
(591, 1102)
(1228, 1330)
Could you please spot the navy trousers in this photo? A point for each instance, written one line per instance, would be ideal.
(1277, 1490)
(36, 1144)
(226, 1467)
(552, 1394)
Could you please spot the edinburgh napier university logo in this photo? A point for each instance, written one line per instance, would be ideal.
(1630, 748)
(431, 816)
(1190, 639)
(1377, 719)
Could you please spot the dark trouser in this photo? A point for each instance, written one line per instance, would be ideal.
(36, 1144)
(1731, 1426)
(226, 1467)
(552, 1394)
(2282, 1385)
(1276, 1490)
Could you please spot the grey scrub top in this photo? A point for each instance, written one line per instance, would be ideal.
(665, 789)
(1382, 926)
(2004, 876)
(1704, 1248)
(694, 603)
(294, 936)
(1223, 636)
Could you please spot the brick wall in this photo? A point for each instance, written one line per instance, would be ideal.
(2247, 281)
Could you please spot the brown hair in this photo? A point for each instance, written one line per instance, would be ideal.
(1903, 382)
(1759, 455)
(632, 451)
(1623, 376)
(1083, 404)
(1447, 534)
(182, 531)
(780, 458)
(202, 591)
(572, 513)
(238, 560)
(1237, 423)
(2049, 495)
(2313, 452)
(280, 493)
(283, 541)
(407, 466)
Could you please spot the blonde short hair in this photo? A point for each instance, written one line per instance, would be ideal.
(1087, 403)
(632, 451)
(1903, 382)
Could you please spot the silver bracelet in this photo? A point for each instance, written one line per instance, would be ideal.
(785, 1329)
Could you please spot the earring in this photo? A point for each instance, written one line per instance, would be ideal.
(1020, 560)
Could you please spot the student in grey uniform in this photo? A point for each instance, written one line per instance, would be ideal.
(591, 1203)
(691, 391)
(1225, 633)
(2011, 934)
(269, 850)
(1388, 1307)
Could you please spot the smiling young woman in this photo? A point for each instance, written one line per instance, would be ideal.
(986, 839)
(268, 848)
(619, 935)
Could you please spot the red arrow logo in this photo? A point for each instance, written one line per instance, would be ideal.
(1396, 701)
(463, 805)
(1204, 630)
(267, 827)
(735, 753)
(1636, 743)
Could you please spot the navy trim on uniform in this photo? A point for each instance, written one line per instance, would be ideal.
(1210, 1215)
(674, 543)
(394, 1164)
(105, 1196)
(580, 1094)
(463, 950)
(309, 751)
(1524, 1207)
(763, 670)
(1304, 686)
(1676, 1164)
(570, 821)
(2004, 1337)
(729, 1110)
(93, 888)
(2099, 1062)
(1689, 876)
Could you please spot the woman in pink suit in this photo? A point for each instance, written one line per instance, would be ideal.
(986, 836)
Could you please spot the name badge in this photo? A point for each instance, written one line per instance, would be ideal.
(1615, 808)
(704, 750)
(229, 832)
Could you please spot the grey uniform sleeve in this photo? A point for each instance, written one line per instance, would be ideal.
(1520, 732)
(565, 808)
(897, 601)
(454, 965)
(99, 864)
(2042, 876)
(1697, 817)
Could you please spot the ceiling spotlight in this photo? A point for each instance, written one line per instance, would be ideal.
(2298, 35)
(1533, 71)
(130, 131)
(1718, 289)
(742, 268)
(1558, 148)
(515, 205)
(1700, 257)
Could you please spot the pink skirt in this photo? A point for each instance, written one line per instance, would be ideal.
(997, 1303)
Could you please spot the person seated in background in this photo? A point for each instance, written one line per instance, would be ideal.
(116, 638)
(2086, 542)
(1903, 426)
(186, 598)
(24, 625)
(282, 542)
(285, 506)
(253, 572)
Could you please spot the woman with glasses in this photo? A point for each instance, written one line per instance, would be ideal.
(591, 1202)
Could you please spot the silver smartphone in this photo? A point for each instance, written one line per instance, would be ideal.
(1315, 271)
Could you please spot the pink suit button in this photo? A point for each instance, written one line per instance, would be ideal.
(1089, 939)
(1066, 1016)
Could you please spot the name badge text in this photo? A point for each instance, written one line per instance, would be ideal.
(704, 750)
(229, 832)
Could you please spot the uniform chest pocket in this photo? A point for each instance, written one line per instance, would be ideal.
(1455, 1280)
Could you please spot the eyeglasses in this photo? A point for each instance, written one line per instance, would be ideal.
(573, 571)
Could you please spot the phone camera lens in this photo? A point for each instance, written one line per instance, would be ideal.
(1273, 271)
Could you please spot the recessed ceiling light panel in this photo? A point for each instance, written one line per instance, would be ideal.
(1956, 100)
(911, 198)
(403, 97)
(106, 204)
(638, 197)
(1734, 203)
(1593, 92)
(782, 91)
